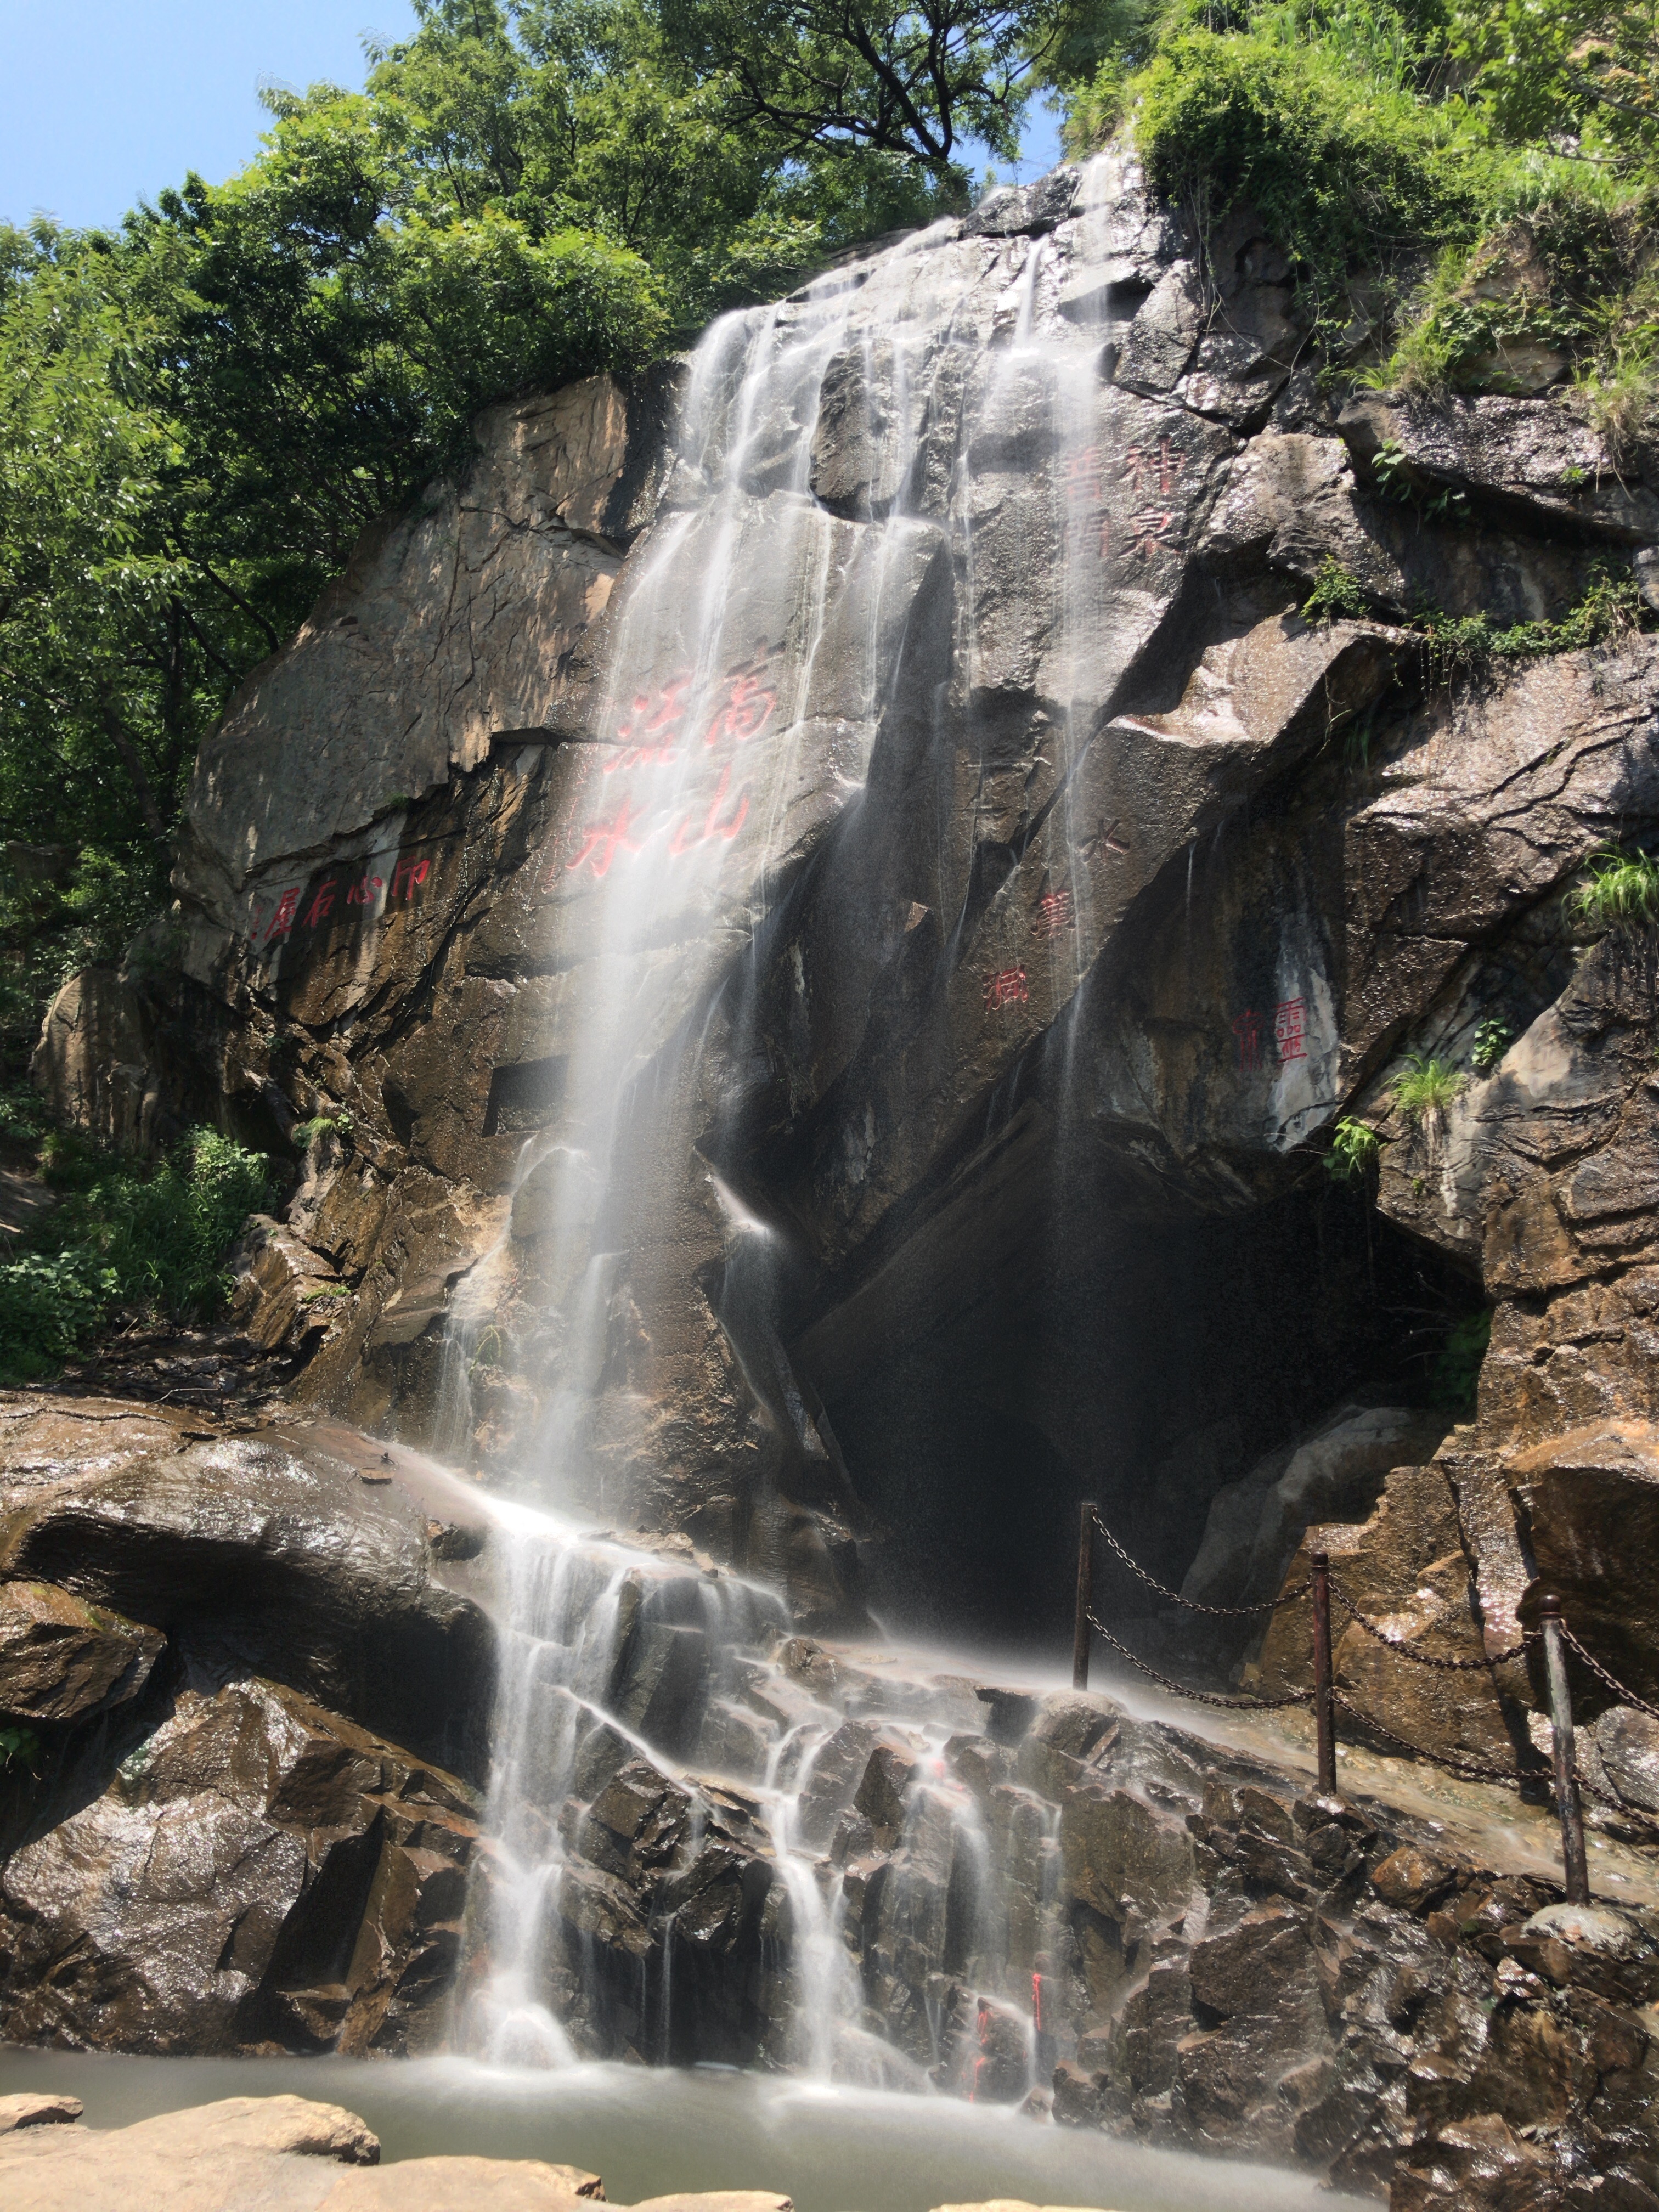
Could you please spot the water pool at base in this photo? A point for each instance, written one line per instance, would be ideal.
(655, 2133)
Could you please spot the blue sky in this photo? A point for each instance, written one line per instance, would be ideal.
(105, 102)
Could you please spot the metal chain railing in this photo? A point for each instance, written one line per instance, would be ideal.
(1182, 1689)
(1422, 1658)
(1626, 1696)
(1192, 1605)
(1569, 1783)
(1469, 1769)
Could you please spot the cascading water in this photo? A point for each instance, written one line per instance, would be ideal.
(840, 463)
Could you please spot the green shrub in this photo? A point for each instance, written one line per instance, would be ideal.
(1610, 607)
(51, 1304)
(1337, 595)
(151, 1239)
(1344, 170)
(1492, 1039)
(1622, 893)
(1355, 1150)
(1427, 1088)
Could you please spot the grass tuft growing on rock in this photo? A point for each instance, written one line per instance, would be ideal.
(1427, 1088)
(1622, 893)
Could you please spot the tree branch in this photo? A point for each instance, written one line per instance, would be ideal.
(132, 761)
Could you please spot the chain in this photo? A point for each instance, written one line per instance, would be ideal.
(1199, 1697)
(1422, 1658)
(1216, 1612)
(1467, 1770)
(1613, 1682)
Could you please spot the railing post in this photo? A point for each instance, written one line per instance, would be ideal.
(1324, 1711)
(1085, 1590)
(1574, 1862)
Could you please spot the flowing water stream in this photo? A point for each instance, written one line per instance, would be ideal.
(831, 453)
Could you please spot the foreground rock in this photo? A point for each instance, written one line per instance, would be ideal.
(199, 1854)
(288, 2154)
(284, 2154)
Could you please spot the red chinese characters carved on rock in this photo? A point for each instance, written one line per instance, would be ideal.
(653, 733)
(1290, 1033)
(1054, 915)
(1007, 987)
(407, 877)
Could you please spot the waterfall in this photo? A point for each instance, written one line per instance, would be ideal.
(820, 598)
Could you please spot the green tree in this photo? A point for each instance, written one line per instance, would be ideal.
(855, 77)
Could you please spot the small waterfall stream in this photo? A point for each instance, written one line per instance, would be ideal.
(752, 666)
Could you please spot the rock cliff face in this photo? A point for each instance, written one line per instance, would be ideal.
(1026, 1017)
(968, 1156)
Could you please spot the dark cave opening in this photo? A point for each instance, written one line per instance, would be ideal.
(1143, 1361)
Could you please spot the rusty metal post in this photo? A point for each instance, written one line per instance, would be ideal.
(1575, 1864)
(1085, 1591)
(1324, 1709)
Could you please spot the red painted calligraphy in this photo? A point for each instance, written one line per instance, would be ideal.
(408, 877)
(287, 906)
(1247, 1028)
(1165, 464)
(1007, 987)
(1290, 1029)
(747, 710)
(362, 893)
(1102, 839)
(652, 731)
(684, 838)
(1053, 916)
(1083, 475)
(1151, 527)
(605, 840)
(322, 905)
(1085, 488)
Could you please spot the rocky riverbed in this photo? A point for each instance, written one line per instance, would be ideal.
(251, 1828)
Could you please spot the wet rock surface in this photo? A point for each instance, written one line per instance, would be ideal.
(1169, 1930)
(195, 1854)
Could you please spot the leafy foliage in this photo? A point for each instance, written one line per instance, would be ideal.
(1492, 1039)
(1609, 609)
(151, 1240)
(893, 77)
(1343, 177)
(200, 414)
(1355, 1150)
(1337, 595)
(1463, 183)
(18, 1747)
